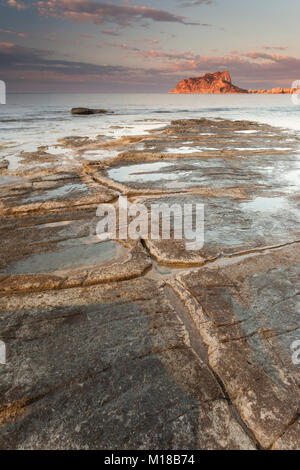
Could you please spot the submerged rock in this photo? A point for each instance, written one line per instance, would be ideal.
(87, 111)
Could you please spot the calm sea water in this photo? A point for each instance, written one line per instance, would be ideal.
(31, 120)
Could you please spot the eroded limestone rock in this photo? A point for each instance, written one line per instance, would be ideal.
(108, 368)
(109, 349)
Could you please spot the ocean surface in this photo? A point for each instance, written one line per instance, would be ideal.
(28, 121)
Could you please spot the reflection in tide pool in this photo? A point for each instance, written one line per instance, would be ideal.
(13, 160)
(185, 173)
(184, 150)
(66, 258)
(98, 154)
(140, 172)
(63, 191)
(265, 204)
(293, 178)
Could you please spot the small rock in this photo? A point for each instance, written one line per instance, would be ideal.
(87, 111)
(4, 164)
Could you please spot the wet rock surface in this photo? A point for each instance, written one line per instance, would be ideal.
(250, 318)
(119, 357)
(145, 344)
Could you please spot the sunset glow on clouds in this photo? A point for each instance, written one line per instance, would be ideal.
(135, 45)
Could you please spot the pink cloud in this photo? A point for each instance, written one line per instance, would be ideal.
(278, 48)
(162, 68)
(16, 4)
(15, 33)
(109, 32)
(81, 11)
(6, 45)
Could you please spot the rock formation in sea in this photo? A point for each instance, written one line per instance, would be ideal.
(87, 111)
(218, 82)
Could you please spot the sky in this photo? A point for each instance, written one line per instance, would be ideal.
(141, 46)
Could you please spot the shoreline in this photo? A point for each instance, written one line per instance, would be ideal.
(174, 332)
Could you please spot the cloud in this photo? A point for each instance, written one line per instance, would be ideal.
(110, 32)
(250, 67)
(33, 70)
(14, 33)
(162, 71)
(246, 67)
(86, 36)
(195, 3)
(16, 4)
(18, 58)
(275, 48)
(81, 11)
(158, 53)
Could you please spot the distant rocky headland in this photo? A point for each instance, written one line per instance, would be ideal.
(220, 82)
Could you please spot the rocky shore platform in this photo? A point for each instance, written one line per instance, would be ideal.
(220, 82)
(143, 344)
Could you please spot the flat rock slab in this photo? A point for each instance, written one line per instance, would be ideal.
(231, 226)
(108, 368)
(52, 192)
(247, 314)
(255, 171)
(42, 253)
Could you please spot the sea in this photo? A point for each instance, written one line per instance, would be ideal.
(29, 121)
